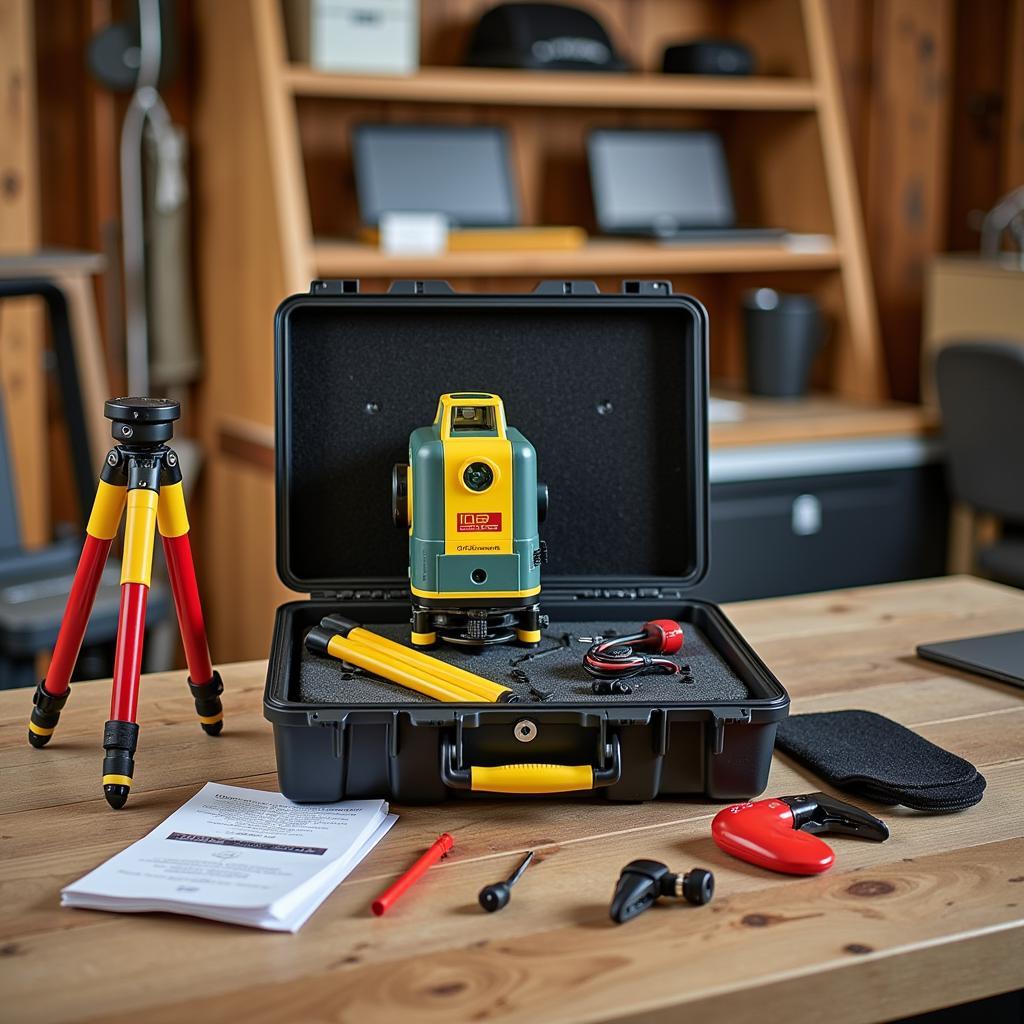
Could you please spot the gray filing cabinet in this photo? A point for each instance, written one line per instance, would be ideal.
(794, 518)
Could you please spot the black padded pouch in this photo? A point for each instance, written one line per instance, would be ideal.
(868, 754)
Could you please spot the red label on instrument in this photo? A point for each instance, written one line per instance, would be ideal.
(479, 522)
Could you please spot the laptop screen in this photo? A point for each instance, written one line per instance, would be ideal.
(659, 182)
(461, 172)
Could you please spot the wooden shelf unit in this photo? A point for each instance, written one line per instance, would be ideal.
(484, 86)
(276, 199)
(598, 258)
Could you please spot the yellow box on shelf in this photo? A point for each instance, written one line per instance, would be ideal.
(503, 239)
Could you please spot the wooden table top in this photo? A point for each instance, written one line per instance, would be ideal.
(933, 917)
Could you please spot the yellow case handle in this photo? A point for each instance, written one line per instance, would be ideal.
(532, 778)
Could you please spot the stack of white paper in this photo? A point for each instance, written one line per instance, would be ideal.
(238, 855)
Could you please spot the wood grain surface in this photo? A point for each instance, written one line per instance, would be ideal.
(933, 917)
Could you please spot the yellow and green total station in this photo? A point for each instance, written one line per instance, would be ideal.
(470, 499)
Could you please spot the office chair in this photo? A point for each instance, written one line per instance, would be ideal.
(981, 396)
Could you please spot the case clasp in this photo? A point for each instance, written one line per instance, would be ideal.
(339, 286)
(637, 287)
(720, 719)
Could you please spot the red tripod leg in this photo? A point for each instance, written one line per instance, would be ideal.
(204, 683)
(52, 693)
(121, 733)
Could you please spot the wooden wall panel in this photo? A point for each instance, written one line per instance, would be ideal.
(977, 140)
(851, 29)
(22, 380)
(907, 168)
(1013, 123)
(238, 202)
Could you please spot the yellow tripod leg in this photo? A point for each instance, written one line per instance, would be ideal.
(121, 732)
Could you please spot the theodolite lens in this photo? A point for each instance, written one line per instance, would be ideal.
(478, 476)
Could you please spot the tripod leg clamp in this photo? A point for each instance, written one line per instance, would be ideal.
(119, 742)
(208, 705)
(45, 714)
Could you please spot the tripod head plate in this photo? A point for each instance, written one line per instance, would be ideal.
(141, 421)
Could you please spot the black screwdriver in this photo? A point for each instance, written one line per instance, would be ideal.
(494, 897)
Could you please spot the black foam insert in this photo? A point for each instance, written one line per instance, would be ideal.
(322, 679)
(609, 393)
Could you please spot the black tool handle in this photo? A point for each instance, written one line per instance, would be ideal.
(820, 813)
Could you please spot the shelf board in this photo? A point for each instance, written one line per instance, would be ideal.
(559, 89)
(598, 258)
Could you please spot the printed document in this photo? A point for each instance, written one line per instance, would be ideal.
(238, 855)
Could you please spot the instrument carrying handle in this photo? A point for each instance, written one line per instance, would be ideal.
(525, 779)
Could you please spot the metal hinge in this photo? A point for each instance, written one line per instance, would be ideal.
(422, 287)
(567, 288)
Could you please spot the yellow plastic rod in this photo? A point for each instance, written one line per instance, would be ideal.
(379, 664)
(485, 689)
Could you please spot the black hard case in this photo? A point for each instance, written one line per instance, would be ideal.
(612, 391)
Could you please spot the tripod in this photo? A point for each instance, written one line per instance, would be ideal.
(142, 478)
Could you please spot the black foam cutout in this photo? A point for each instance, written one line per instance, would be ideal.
(322, 679)
(871, 755)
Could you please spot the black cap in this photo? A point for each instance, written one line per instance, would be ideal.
(698, 886)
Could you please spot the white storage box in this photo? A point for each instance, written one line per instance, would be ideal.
(375, 36)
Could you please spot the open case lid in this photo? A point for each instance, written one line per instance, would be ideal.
(610, 389)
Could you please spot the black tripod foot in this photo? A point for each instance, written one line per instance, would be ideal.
(119, 742)
(46, 711)
(208, 704)
(117, 796)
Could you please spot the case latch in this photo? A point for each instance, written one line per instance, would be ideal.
(646, 287)
(720, 719)
(339, 286)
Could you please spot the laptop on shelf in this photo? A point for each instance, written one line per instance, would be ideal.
(669, 185)
(460, 172)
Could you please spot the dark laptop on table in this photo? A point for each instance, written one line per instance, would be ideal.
(672, 185)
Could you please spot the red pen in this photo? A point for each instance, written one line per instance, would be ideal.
(439, 848)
